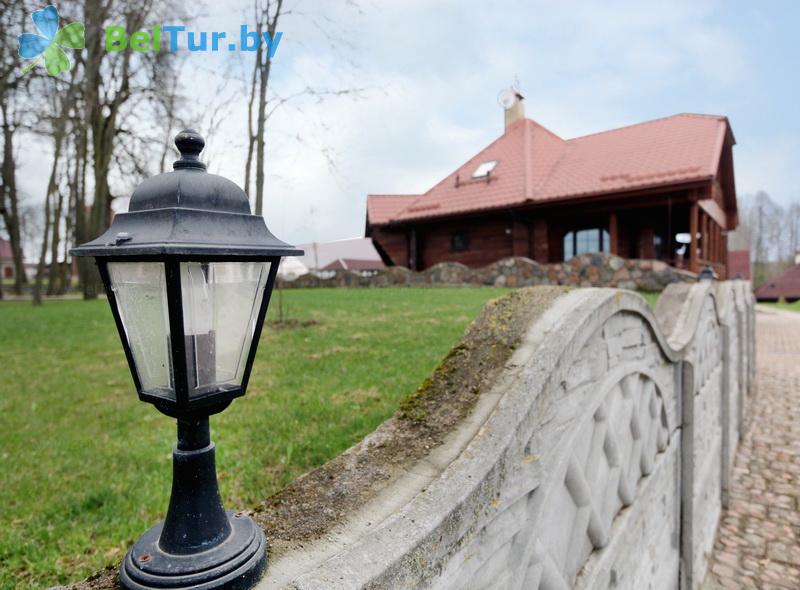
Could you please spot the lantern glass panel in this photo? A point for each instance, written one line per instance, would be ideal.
(140, 290)
(221, 301)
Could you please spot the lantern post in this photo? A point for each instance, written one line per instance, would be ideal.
(188, 271)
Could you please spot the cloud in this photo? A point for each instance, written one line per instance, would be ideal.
(431, 72)
(770, 166)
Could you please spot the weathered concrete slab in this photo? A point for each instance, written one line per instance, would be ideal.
(601, 460)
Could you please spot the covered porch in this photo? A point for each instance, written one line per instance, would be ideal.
(683, 232)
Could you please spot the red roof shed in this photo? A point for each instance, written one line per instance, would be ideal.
(786, 287)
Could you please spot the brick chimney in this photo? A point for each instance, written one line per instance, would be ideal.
(515, 109)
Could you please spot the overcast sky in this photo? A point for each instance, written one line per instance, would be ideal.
(431, 72)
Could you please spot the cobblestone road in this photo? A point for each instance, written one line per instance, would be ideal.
(758, 543)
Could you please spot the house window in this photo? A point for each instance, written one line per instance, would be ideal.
(459, 242)
(585, 241)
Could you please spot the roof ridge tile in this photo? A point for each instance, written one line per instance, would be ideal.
(648, 122)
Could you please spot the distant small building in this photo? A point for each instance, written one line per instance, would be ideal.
(358, 266)
(324, 258)
(6, 260)
(786, 287)
(318, 255)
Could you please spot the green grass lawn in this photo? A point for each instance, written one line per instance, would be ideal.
(795, 306)
(85, 468)
(650, 297)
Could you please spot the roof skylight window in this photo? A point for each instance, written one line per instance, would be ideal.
(484, 169)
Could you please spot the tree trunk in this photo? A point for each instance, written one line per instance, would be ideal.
(52, 190)
(102, 149)
(251, 136)
(264, 70)
(81, 233)
(10, 205)
(95, 16)
(260, 124)
(37, 287)
(69, 226)
(54, 275)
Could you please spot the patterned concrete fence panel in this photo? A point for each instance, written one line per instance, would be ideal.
(599, 459)
(598, 455)
(713, 325)
(732, 402)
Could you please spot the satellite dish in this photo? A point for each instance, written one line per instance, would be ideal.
(507, 97)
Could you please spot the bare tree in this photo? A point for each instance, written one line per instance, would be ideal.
(773, 232)
(62, 104)
(792, 231)
(13, 89)
(263, 102)
(267, 16)
(112, 80)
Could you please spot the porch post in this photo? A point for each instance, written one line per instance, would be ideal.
(704, 236)
(613, 246)
(712, 240)
(724, 239)
(541, 241)
(693, 264)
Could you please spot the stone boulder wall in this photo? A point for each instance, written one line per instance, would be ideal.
(588, 270)
(571, 439)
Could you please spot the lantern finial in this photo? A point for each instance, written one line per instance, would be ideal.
(189, 143)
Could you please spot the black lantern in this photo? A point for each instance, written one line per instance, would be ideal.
(189, 272)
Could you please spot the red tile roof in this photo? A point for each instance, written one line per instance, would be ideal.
(535, 165)
(787, 286)
(354, 264)
(381, 208)
(5, 250)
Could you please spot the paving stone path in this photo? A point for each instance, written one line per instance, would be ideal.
(758, 542)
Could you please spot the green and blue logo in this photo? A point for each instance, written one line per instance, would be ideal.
(48, 46)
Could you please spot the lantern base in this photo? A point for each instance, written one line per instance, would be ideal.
(236, 563)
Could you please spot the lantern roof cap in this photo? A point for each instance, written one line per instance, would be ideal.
(187, 212)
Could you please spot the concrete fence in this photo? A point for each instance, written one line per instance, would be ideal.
(599, 457)
(596, 454)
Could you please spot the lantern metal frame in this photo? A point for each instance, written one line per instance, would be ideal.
(211, 402)
(190, 216)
